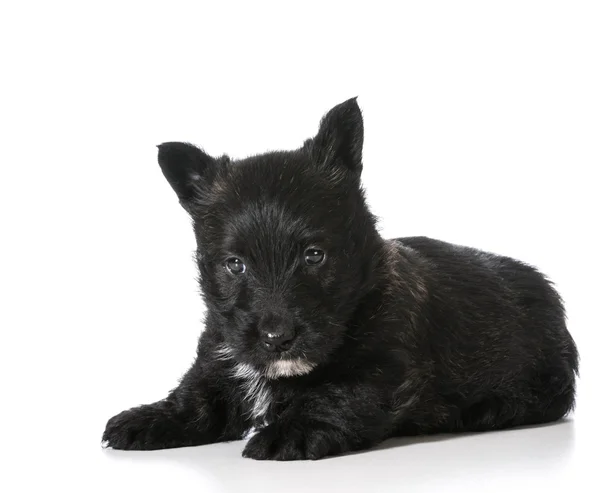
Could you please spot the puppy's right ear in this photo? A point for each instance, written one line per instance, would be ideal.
(339, 141)
(186, 168)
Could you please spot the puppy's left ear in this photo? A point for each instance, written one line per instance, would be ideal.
(339, 141)
(186, 168)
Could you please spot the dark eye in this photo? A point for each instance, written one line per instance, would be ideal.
(314, 256)
(235, 265)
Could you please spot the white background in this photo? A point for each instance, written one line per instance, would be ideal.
(482, 128)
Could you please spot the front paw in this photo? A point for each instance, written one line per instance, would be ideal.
(141, 428)
(292, 441)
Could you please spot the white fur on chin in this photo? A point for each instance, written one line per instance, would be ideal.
(288, 368)
(254, 382)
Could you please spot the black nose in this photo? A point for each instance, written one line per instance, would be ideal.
(277, 341)
(276, 332)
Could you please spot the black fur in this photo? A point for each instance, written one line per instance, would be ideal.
(386, 337)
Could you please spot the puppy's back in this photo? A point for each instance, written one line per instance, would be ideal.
(495, 327)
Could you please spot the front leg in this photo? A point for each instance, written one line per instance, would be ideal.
(329, 421)
(193, 414)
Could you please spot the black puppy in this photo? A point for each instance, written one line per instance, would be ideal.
(322, 337)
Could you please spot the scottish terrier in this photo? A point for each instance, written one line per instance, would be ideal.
(321, 337)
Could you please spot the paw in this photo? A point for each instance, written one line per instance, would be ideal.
(141, 428)
(291, 442)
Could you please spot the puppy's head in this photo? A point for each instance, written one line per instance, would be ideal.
(285, 243)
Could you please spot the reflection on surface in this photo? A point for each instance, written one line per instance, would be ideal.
(440, 462)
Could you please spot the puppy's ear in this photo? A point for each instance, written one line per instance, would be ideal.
(186, 168)
(340, 137)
